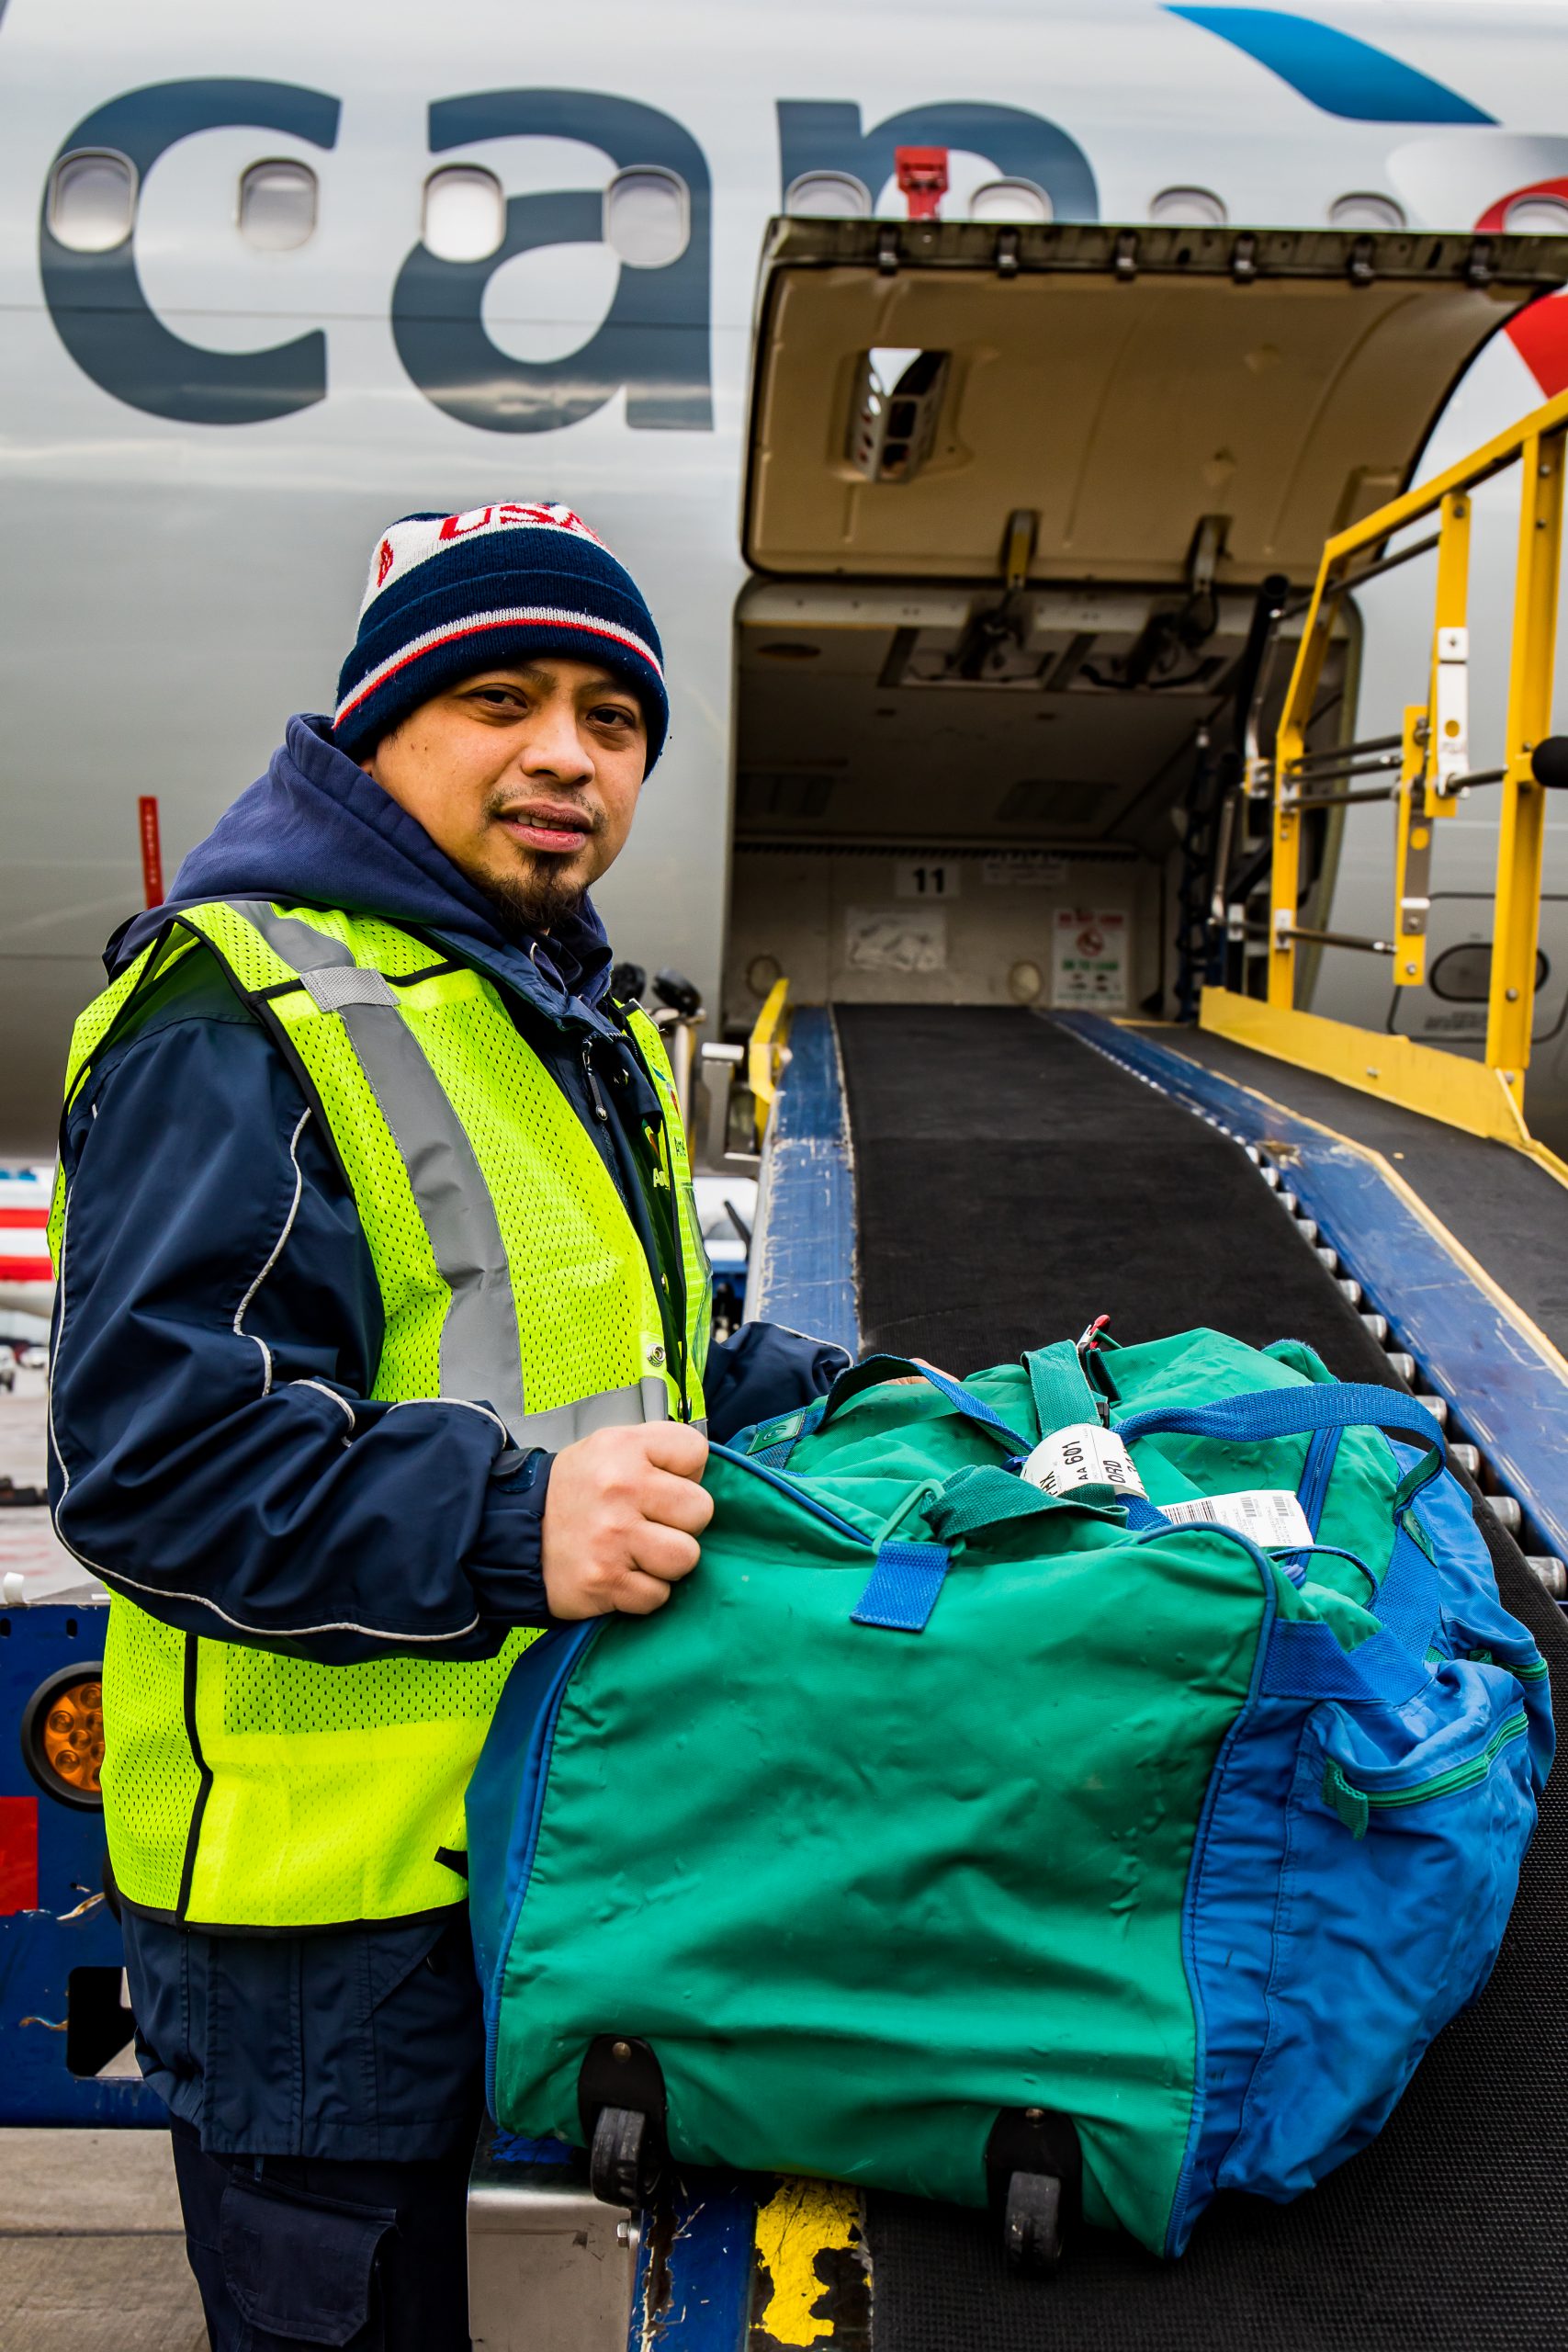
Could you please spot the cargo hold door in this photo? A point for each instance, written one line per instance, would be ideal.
(917, 383)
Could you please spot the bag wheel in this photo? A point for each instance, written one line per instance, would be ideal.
(621, 2163)
(1031, 2223)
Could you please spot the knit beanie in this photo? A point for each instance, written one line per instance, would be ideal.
(450, 594)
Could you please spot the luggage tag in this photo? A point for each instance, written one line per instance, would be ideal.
(1082, 1455)
(1271, 1515)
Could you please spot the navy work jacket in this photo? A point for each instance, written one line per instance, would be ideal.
(218, 1296)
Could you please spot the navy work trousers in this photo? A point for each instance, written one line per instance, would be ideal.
(292, 2253)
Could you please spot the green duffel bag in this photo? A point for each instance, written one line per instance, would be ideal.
(1085, 1789)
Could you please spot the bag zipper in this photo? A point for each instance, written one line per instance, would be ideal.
(1354, 1803)
(1316, 1472)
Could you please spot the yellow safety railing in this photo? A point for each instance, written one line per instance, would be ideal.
(765, 1052)
(1435, 773)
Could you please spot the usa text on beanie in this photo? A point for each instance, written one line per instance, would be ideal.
(449, 595)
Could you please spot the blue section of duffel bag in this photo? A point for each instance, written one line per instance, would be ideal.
(1357, 1864)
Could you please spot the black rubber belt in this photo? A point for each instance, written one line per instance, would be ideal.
(1011, 1184)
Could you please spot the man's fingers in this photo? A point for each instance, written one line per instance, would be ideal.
(664, 1551)
(676, 1502)
(676, 1446)
(637, 1595)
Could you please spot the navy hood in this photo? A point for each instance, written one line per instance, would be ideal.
(316, 830)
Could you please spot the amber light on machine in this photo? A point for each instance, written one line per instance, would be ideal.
(63, 1736)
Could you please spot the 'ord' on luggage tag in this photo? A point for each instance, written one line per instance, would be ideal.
(1083, 1454)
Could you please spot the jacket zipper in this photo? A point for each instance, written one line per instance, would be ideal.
(600, 1111)
(1352, 1803)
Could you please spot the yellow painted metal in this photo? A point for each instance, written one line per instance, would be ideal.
(1517, 909)
(1285, 879)
(1493, 457)
(1443, 1086)
(1447, 734)
(765, 1052)
(802, 2220)
(1486, 1098)
(1412, 855)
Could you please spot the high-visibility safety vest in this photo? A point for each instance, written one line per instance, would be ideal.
(246, 1789)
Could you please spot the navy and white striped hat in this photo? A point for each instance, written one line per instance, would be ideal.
(449, 595)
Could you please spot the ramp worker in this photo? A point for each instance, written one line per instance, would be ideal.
(380, 1339)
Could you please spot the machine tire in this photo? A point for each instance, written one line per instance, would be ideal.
(1032, 2224)
(621, 2163)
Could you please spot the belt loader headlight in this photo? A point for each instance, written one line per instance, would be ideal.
(63, 1736)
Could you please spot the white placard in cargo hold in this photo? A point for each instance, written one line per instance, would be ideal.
(1029, 868)
(1088, 964)
(911, 939)
(1083, 1454)
(1272, 1515)
(925, 878)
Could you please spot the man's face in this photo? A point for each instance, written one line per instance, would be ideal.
(526, 778)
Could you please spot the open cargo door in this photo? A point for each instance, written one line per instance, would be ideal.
(1012, 497)
(918, 384)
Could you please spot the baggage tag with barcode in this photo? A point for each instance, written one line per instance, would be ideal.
(1273, 1516)
(1083, 1454)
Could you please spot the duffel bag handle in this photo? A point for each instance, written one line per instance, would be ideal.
(873, 1370)
(1060, 1388)
(974, 1500)
(1261, 1413)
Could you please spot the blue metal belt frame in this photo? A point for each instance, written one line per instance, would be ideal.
(803, 1266)
(1503, 1383)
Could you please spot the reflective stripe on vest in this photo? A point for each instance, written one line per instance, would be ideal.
(248, 1789)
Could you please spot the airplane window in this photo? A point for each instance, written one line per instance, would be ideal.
(1537, 216)
(648, 217)
(1009, 200)
(92, 200)
(277, 206)
(1462, 975)
(1189, 208)
(465, 213)
(1365, 210)
(828, 196)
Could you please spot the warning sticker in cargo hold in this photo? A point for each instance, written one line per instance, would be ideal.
(1089, 959)
(1270, 1515)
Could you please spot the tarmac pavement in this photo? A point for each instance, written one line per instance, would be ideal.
(92, 2255)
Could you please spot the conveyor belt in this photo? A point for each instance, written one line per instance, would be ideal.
(1503, 1208)
(1010, 1184)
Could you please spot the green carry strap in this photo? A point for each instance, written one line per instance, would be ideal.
(974, 1500)
(1060, 1389)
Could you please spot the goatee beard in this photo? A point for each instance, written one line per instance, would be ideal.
(532, 903)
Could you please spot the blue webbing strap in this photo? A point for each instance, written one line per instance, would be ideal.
(872, 1371)
(1407, 1598)
(904, 1586)
(1306, 1661)
(1296, 1412)
(776, 1455)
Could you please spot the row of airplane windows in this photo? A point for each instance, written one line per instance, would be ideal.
(93, 193)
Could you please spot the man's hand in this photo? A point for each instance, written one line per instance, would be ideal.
(622, 1518)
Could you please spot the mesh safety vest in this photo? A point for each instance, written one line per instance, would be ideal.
(248, 1789)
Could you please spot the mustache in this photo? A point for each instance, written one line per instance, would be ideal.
(584, 813)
